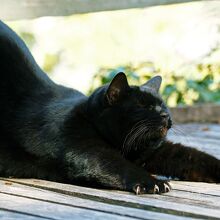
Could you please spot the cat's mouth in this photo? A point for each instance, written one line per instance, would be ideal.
(163, 131)
(160, 132)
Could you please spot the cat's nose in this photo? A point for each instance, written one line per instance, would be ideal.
(165, 118)
(164, 115)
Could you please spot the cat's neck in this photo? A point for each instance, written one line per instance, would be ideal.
(77, 121)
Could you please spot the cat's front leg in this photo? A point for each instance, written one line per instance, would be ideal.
(185, 163)
(105, 168)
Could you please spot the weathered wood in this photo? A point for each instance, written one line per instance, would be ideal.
(189, 197)
(23, 9)
(10, 215)
(50, 210)
(198, 127)
(201, 188)
(209, 146)
(177, 206)
(198, 113)
(204, 137)
(60, 199)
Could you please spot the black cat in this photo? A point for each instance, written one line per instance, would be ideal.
(112, 139)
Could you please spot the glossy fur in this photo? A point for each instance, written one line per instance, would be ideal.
(113, 139)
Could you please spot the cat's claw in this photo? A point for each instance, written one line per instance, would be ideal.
(156, 189)
(138, 190)
(159, 187)
(167, 187)
(163, 186)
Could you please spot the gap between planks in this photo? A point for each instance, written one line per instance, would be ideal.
(201, 206)
(23, 192)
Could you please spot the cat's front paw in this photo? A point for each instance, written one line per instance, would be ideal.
(155, 187)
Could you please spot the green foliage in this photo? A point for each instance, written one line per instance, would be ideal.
(176, 89)
(28, 37)
(50, 62)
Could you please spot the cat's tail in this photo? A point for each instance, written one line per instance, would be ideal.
(18, 70)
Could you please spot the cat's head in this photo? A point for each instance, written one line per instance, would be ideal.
(129, 116)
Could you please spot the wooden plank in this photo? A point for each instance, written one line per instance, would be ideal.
(197, 113)
(188, 128)
(201, 188)
(203, 200)
(52, 211)
(198, 140)
(60, 199)
(204, 137)
(209, 146)
(10, 215)
(202, 130)
(177, 207)
(24, 9)
(207, 134)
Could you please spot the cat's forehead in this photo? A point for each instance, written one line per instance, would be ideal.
(144, 96)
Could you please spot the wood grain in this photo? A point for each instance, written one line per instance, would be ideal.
(197, 113)
(204, 137)
(71, 201)
(164, 204)
(44, 209)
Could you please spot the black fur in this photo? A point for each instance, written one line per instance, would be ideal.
(52, 132)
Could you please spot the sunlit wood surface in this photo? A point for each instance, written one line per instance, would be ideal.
(39, 199)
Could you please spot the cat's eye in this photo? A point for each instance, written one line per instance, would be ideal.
(151, 107)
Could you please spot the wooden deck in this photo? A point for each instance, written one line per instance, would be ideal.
(37, 199)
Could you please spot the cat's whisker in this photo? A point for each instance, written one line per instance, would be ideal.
(132, 136)
(140, 137)
(129, 135)
(135, 136)
(177, 131)
(181, 132)
(139, 134)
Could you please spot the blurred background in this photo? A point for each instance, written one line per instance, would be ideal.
(181, 42)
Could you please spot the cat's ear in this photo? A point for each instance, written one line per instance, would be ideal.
(117, 88)
(153, 84)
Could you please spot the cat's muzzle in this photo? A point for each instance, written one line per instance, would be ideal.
(163, 131)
